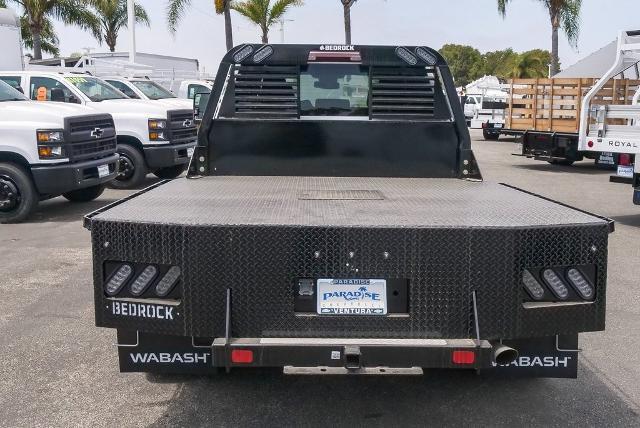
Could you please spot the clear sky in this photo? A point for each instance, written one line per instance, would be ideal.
(425, 22)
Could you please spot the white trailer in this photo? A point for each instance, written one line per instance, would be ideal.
(11, 55)
(615, 128)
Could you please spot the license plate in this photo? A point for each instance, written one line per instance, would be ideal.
(190, 152)
(498, 126)
(103, 171)
(352, 297)
(625, 171)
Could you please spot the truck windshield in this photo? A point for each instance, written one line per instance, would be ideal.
(96, 89)
(334, 90)
(7, 93)
(152, 90)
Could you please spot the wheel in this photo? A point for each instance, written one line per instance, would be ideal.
(490, 136)
(132, 170)
(18, 195)
(170, 172)
(563, 162)
(84, 195)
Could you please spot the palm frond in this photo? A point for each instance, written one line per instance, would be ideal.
(502, 7)
(570, 19)
(279, 8)
(175, 11)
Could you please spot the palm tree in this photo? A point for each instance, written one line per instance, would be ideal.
(113, 16)
(39, 12)
(176, 8)
(263, 14)
(346, 4)
(530, 65)
(49, 38)
(563, 13)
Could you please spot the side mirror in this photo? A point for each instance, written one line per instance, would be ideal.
(73, 99)
(57, 95)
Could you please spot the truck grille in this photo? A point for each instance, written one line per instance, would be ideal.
(266, 91)
(402, 92)
(182, 126)
(89, 137)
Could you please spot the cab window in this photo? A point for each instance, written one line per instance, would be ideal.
(194, 88)
(334, 90)
(124, 88)
(13, 81)
(48, 89)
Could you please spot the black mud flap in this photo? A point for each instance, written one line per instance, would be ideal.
(552, 357)
(163, 354)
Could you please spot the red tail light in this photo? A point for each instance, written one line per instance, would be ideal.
(242, 356)
(463, 357)
(624, 160)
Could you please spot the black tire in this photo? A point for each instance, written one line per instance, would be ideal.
(18, 194)
(84, 195)
(490, 136)
(171, 172)
(563, 162)
(132, 169)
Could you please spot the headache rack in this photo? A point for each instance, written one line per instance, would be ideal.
(613, 128)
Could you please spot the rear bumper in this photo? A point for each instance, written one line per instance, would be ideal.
(143, 352)
(168, 155)
(59, 179)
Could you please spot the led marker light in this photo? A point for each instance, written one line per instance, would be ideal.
(143, 280)
(165, 285)
(555, 283)
(532, 286)
(580, 283)
(118, 280)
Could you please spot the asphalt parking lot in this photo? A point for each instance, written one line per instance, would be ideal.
(59, 370)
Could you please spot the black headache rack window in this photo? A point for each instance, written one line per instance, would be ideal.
(302, 110)
(335, 90)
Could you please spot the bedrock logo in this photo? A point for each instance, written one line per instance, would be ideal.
(337, 48)
(525, 361)
(169, 358)
(142, 310)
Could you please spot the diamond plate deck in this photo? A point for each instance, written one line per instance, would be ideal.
(448, 238)
(404, 202)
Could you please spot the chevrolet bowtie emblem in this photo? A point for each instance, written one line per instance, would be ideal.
(97, 133)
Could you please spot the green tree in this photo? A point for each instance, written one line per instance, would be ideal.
(530, 64)
(263, 13)
(563, 13)
(113, 16)
(176, 9)
(346, 5)
(49, 39)
(38, 14)
(464, 61)
(496, 63)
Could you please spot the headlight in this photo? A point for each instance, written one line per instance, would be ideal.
(50, 136)
(50, 144)
(157, 129)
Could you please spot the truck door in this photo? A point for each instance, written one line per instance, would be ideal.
(48, 89)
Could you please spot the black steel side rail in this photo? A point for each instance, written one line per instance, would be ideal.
(89, 217)
(610, 222)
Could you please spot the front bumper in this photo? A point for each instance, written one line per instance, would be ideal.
(168, 155)
(58, 179)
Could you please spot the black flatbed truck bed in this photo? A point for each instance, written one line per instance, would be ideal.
(284, 221)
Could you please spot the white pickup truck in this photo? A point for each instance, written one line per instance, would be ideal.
(146, 89)
(47, 152)
(152, 137)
